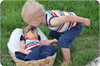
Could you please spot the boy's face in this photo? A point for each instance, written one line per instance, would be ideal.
(36, 22)
(32, 35)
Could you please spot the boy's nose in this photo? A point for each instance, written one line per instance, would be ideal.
(30, 25)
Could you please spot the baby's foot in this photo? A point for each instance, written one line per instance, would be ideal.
(45, 64)
(48, 57)
(87, 22)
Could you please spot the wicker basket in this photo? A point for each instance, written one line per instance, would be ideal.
(18, 62)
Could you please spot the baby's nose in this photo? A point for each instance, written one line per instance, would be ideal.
(36, 35)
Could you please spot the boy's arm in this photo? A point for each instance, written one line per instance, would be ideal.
(46, 42)
(22, 48)
(70, 18)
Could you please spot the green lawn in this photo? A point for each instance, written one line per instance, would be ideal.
(85, 46)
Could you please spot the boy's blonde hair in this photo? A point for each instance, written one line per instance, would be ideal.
(32, 10)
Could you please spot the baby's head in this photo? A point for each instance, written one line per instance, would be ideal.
(30, 32)
(32, 13)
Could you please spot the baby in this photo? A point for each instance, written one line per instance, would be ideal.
(31, 40)
(33, 48)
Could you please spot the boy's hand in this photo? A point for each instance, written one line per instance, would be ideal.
(29, 51)
(55, 40)
(87, 22)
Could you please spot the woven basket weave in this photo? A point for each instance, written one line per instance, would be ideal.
(18, 62)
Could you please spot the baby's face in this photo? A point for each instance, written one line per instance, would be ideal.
(32, 35)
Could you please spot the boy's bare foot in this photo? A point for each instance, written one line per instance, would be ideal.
(66, 64)
(87, 22)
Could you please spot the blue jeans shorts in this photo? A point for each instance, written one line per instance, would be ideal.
(65, 39)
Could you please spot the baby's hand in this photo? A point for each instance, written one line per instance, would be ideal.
(48, 59)
(29, 51)
(87, 22)
(55, 40)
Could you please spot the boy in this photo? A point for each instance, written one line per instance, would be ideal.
(65, 26)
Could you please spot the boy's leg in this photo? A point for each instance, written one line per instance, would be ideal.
(66, 40)
(66, 54)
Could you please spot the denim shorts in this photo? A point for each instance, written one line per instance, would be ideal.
(65, 39)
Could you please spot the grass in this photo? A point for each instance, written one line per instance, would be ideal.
(85, 47)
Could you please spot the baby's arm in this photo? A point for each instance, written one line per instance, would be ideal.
(22, 48)
(70, 18)
(46, 42)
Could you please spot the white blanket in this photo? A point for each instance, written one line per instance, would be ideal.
(14, 41)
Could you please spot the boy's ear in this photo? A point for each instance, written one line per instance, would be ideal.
(39, 19)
